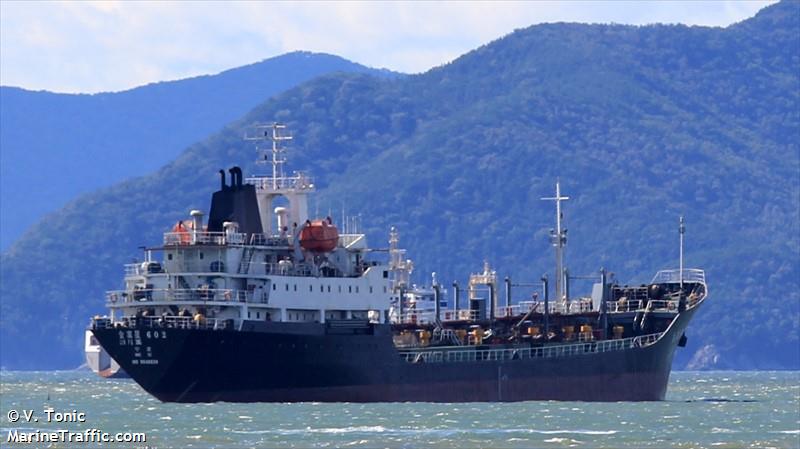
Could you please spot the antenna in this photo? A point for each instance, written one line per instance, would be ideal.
(681, 231)
(559, 239)
(276, 155)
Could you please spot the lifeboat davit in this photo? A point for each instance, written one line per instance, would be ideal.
(319, 236)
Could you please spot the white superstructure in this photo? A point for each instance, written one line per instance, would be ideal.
(226, 278)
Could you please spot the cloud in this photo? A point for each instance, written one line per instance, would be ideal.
(114, 45)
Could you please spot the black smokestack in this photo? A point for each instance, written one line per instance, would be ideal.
(238, 176)
(222, 180)
(232, 171)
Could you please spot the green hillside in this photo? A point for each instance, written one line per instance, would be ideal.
(641, 124)
(48, 137)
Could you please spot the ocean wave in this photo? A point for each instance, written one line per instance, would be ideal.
(433, 432)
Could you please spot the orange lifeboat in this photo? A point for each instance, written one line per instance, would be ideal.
(182, 231)
(319, 236)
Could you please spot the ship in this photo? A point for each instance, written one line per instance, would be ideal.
(98, 360)
(267, 304)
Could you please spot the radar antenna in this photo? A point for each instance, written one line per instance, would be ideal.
(558, 237)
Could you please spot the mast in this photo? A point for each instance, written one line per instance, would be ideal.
(272, 133)
(681, 231)
(559, 239)
(270, 139)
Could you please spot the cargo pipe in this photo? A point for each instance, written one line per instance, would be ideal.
(456, 294)
(401, 294)
(437, 294)
(603, 299)
(546, 308)
(508, 293)
(492, 301)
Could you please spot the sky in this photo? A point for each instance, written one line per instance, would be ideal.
(88, 47)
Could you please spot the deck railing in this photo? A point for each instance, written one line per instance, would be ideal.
(116, 297)
(467, 354)
(674, 276)
(203, 237)
(300, 181)
(173, 322)
(582, 305)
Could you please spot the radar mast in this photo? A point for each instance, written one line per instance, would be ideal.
(294, 188)
(558, 237)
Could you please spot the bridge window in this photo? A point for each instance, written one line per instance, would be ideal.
(311, 288)
(274, 286)
(356, 288)
(349, 289)
(321, 289)
(370, 289)
(295, 287)
(287, 287)
(329, 289)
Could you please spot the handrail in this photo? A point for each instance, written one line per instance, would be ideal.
(468, 354)
(174, 294)
(177, 322)
(191, 237)
(674, 276)
(578, 306)
(299, 181)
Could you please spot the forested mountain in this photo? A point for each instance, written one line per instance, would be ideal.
(641, 125)
(47, 138)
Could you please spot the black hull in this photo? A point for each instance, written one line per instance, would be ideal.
(303, 363)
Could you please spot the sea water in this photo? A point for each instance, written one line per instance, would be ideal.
(702, 410)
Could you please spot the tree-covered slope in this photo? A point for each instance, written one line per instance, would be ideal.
(48, 138)
(641, 124)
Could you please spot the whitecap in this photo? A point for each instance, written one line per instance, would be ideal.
(581, 432)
